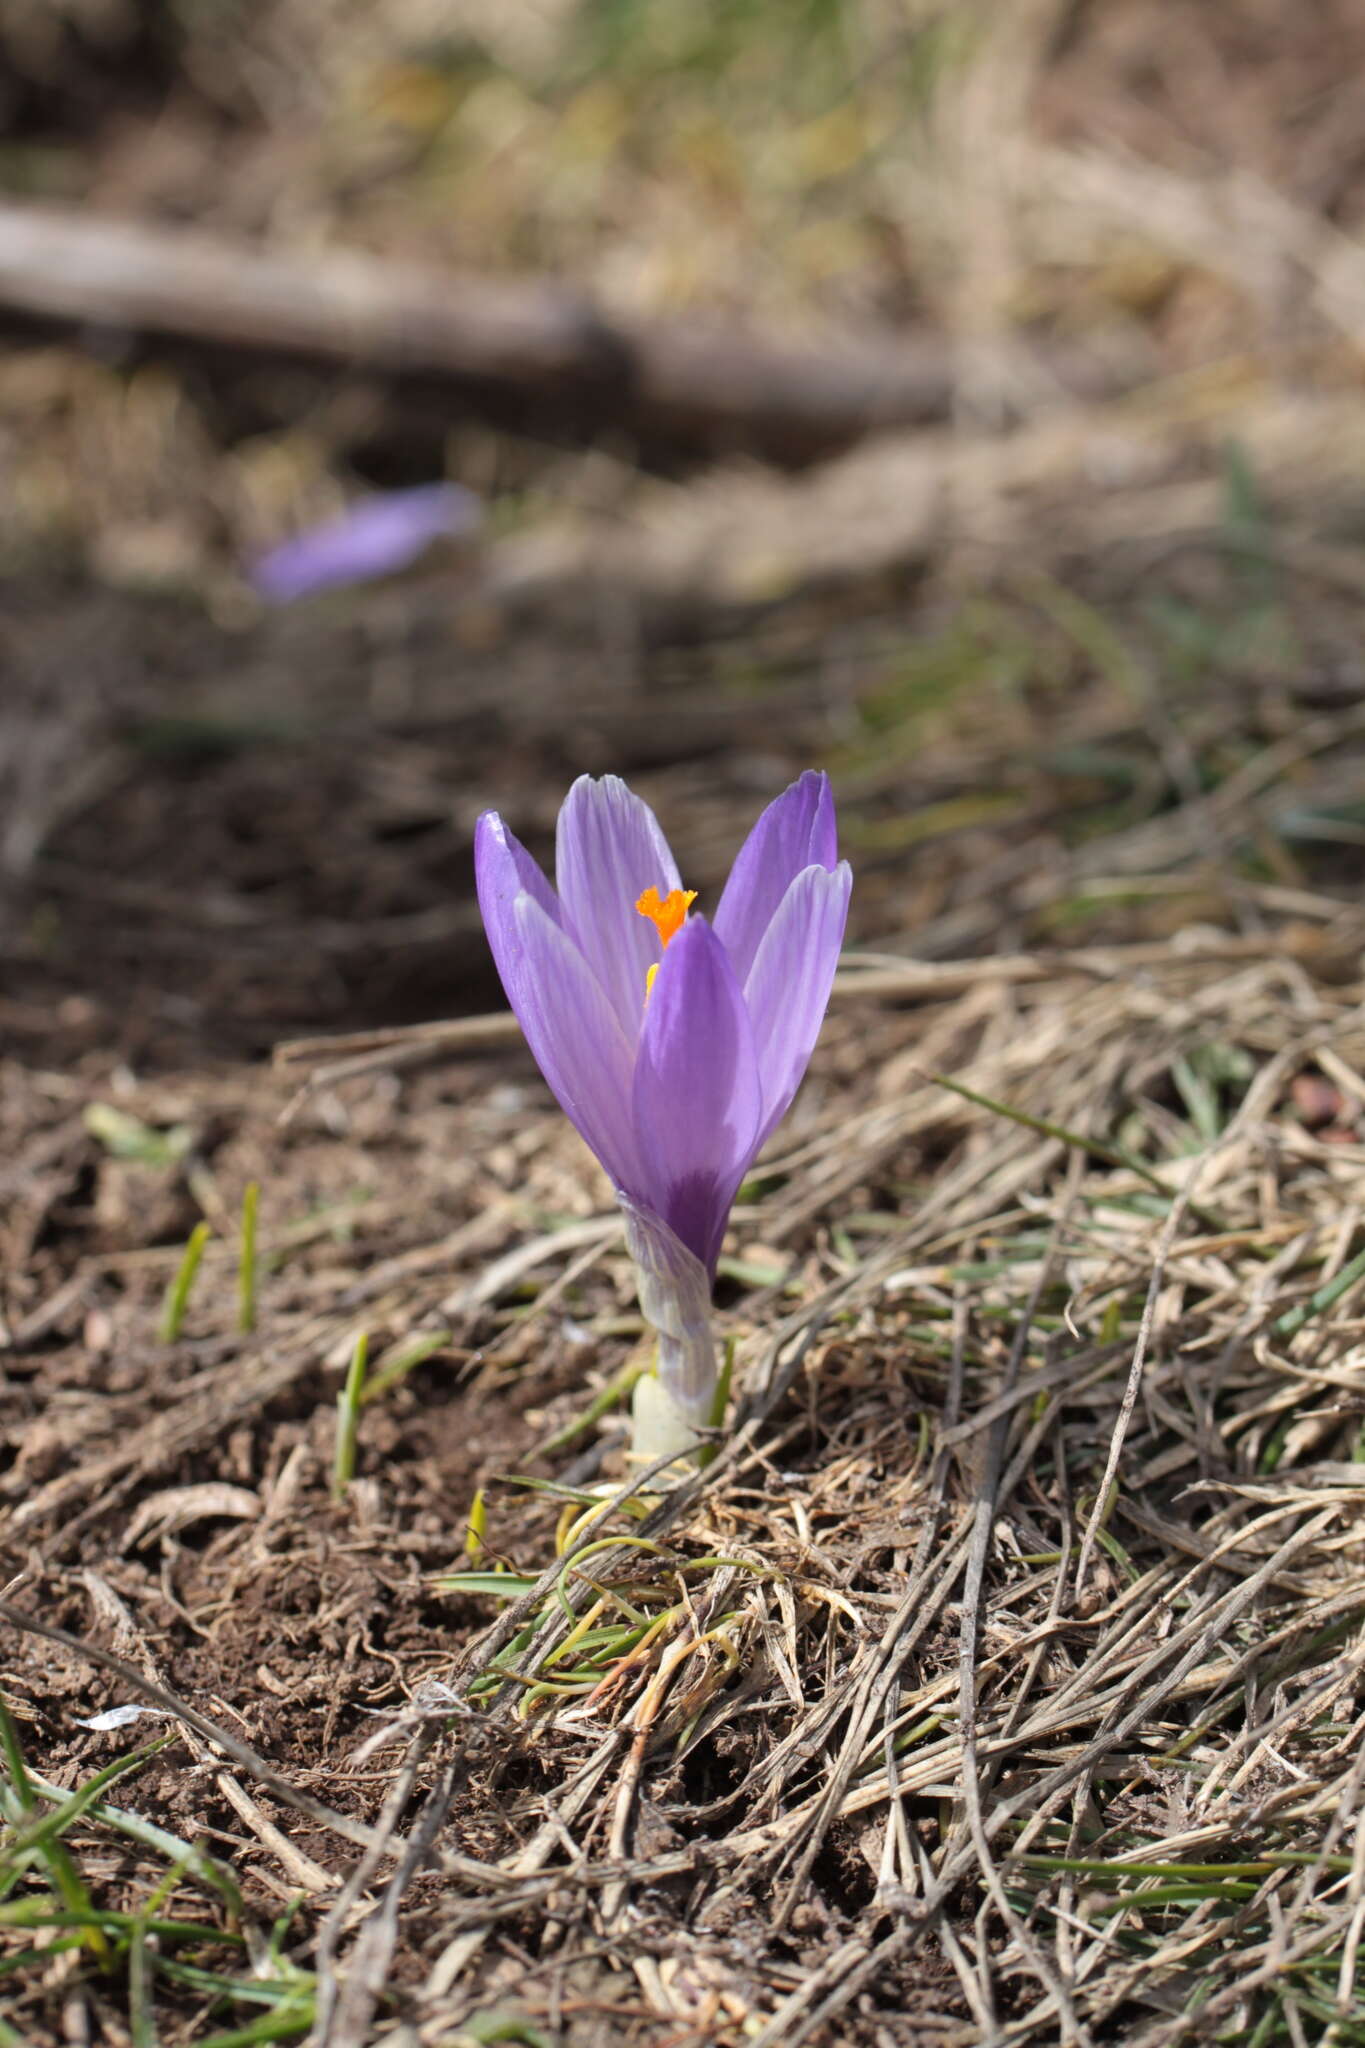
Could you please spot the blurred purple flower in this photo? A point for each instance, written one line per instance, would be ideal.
(373, 538)
(675, 1046)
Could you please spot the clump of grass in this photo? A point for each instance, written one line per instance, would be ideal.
(605, 1652)
(179, 1926)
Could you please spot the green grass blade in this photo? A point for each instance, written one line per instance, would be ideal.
(489, 2027)
(1112, 1155)
(1289, 1324)
(74, 1804)
(141, 2021)
(614, 1394)
(39, 1912)
(197, 1862)
(348, 1417)
(638, 1510)
(178, 1293)
(272, 2026)
(244, 1990)
(246, 1271)
(491, 1585)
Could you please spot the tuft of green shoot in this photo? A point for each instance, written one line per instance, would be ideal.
(477, 1527)
(348, 1417)
(246, 1271)
(124, 1136)
(19, 1801)
(154, 1943)
(628, 1623)
(178, 1293)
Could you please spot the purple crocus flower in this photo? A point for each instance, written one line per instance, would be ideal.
(373, 538)
(674, 1044)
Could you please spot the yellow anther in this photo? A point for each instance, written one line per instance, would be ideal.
(667, 914)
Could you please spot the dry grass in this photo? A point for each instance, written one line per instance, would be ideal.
(999, 1680)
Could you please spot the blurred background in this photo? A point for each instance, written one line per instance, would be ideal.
(966, 397)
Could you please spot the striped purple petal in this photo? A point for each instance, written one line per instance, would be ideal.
(789, 983)
(502, 870)
(569, 1025)
(697, 1096)
(796, 831)
(608, 851)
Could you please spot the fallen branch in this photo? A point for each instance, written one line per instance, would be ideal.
(695, 377)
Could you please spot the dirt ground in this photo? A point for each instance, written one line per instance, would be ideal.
(1001, 1679)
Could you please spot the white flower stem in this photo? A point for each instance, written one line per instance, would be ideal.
(675, 1296)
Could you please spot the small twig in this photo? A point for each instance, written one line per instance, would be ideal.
(988, 1503)
(1100, 1511)
(300, 1867)
(838, 1979)
(348, 2025)
(339, 1918)
(395, 1051)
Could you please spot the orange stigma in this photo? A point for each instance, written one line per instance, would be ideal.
(667, 914)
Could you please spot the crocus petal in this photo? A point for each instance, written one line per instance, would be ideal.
(502, 869)
(374, 538)
(577, 1042)
(789, 983)
(796, 831)
(697, 1097)
(569, 1025)
(608, 851)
